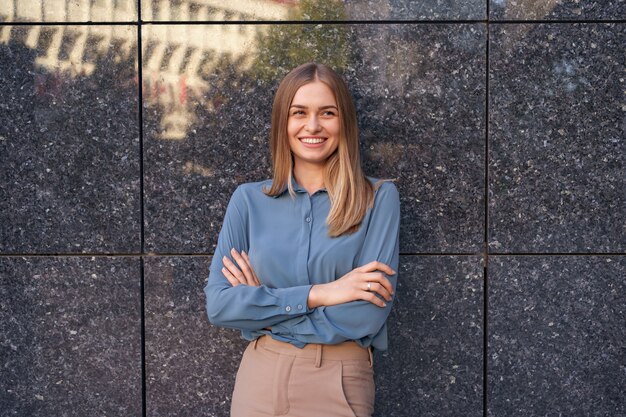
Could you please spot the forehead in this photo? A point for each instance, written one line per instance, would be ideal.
(314, 93)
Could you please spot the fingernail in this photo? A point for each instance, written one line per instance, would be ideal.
(393, 272)
(244, 252)
(384, 304)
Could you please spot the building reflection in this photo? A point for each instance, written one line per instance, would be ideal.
(174, 57)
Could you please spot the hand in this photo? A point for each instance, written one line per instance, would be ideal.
(354, 286)
(234, 274)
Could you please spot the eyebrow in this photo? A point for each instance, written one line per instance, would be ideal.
(299, 106)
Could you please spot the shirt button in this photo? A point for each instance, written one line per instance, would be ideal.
(288, 308)
(308, 219)
(299, 306)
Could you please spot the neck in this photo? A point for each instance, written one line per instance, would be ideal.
(309, 176)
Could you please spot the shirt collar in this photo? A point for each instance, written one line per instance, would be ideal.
(297, 187)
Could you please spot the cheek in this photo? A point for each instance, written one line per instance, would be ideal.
(292, 128)
(334, 128)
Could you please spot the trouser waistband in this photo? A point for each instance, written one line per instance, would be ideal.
(341, 351)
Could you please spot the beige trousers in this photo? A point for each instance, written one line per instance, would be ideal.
(279, 379)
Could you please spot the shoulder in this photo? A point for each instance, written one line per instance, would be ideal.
(250, 192)
(253, 188)
(384, 189)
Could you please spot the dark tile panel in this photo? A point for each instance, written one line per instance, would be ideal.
(316, 10)
(70, 336)
(557, 9)
(68, 11)
(557, 326)
(557, 149)
(434, 363)
(190, 364)
(419, 90)
(69, 141)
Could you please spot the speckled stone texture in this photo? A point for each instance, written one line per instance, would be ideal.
(557, 149)
(316, 10)
(69, 142)
(421, 113)
(434, 365)
(70, 336)
(557, 9)
(557, 326)
(190, 364)
(76, 181)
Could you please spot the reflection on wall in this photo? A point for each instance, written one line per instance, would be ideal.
(68, 10)
(173, 57)
(72, 50)
(126, 10)
(215, 10)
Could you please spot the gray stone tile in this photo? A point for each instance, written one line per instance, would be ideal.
(69, 142)
(190, 364)
(557, 149)
(557, 9)
(557, 326)
(419, 90)
(70, 336)
(434, 363)
(313, 10)
(58, 11)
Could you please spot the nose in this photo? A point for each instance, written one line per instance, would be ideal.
(312, 124)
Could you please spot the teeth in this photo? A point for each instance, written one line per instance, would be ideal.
(308, 140)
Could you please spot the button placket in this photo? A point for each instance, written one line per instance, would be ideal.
(303, 258)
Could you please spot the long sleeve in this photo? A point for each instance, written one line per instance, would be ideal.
(246, 307)
(357, 320)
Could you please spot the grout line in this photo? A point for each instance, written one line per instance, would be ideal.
(141, 210)
(308, 22)
(140, 121)
(143, 337)
(486, 230)
(205, 254)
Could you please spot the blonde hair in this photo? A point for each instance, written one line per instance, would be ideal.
(349, 190)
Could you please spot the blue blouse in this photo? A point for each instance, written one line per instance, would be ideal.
(289, 250)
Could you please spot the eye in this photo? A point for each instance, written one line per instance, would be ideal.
(329, 113)
(297, 112)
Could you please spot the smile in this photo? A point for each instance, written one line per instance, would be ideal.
(312, 140)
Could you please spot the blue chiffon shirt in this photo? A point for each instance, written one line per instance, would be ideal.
(289, 249)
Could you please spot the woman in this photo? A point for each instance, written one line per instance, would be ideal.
(308, 276)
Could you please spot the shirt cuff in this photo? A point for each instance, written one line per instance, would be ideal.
(294, 300)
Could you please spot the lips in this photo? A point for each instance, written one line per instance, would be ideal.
(312, 140)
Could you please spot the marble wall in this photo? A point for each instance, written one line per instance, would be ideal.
(126, 126)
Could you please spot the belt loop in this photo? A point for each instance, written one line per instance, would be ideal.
(369, 349)
(318, 356)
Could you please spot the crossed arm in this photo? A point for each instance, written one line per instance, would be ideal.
(361, 283)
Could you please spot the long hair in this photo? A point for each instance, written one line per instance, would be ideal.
(349, 190)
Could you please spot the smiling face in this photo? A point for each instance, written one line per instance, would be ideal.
(313, 126)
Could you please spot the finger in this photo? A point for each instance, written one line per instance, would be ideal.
(256, 279)
(381, 279)
(230, 277)
(243, 265)
(234, 270)
(369, 296)
(377, 265)
(380, 289)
